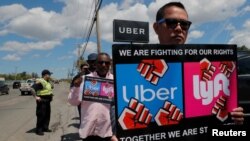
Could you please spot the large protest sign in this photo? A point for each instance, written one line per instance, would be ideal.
(167, 91)
(98, 89)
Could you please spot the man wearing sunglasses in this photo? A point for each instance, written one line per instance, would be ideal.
(95, 117)
(172, 23)
(172, 27)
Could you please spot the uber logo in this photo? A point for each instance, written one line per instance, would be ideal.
(130, 31)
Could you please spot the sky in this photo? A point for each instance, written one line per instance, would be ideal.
(47, 34)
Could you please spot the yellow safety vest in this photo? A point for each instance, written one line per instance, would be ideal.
(47, 88)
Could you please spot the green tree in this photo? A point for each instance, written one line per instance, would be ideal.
(23, 75)
(243, 48)
(34, 75)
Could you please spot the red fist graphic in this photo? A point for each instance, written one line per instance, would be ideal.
(135, 116)
(152, 70)
(168, 115)
(206, 70)
(219, 109)
(227, 67)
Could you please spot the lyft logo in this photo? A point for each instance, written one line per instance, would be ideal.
(207, 90)
(108, 89)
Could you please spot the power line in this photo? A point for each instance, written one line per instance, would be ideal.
(87, 23)
(85, 27)
(91, 27)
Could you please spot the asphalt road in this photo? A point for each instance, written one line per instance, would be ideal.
(18, 119)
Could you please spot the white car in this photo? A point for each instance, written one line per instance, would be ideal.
(26, 87)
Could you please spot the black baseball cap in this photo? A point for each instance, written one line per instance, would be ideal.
(92, 57)
(44, 72)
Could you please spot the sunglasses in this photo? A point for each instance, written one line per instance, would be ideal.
(172, 23)
(104, 62)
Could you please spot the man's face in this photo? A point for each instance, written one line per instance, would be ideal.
(47, 76)
(92, 64)
(84, 69)
(103, 65)
(166, 30)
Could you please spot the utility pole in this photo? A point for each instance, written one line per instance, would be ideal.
(97, 28)
(78, 63)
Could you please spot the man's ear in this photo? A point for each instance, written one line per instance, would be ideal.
(156, 28)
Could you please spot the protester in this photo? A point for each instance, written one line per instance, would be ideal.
(172, 27)
(91, 61)
(95, 116)
(84, 69)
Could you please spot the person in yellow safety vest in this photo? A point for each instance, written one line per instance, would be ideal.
(42, 91)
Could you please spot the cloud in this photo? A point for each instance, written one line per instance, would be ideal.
(128, 3)
(90, 48)
(10, 11)
(195, 34)
(241, 37)
(246, 9)
(11, 57)
(136, 12)
(247, 24)
(35, 24)
(76, 17)
(41, 25)
(3, 32)
(199, 12)
(211, 11)
(23, 48)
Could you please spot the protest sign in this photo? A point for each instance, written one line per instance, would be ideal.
(168, 91)
(98, 89)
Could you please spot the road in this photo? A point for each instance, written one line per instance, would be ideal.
(18, 119)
